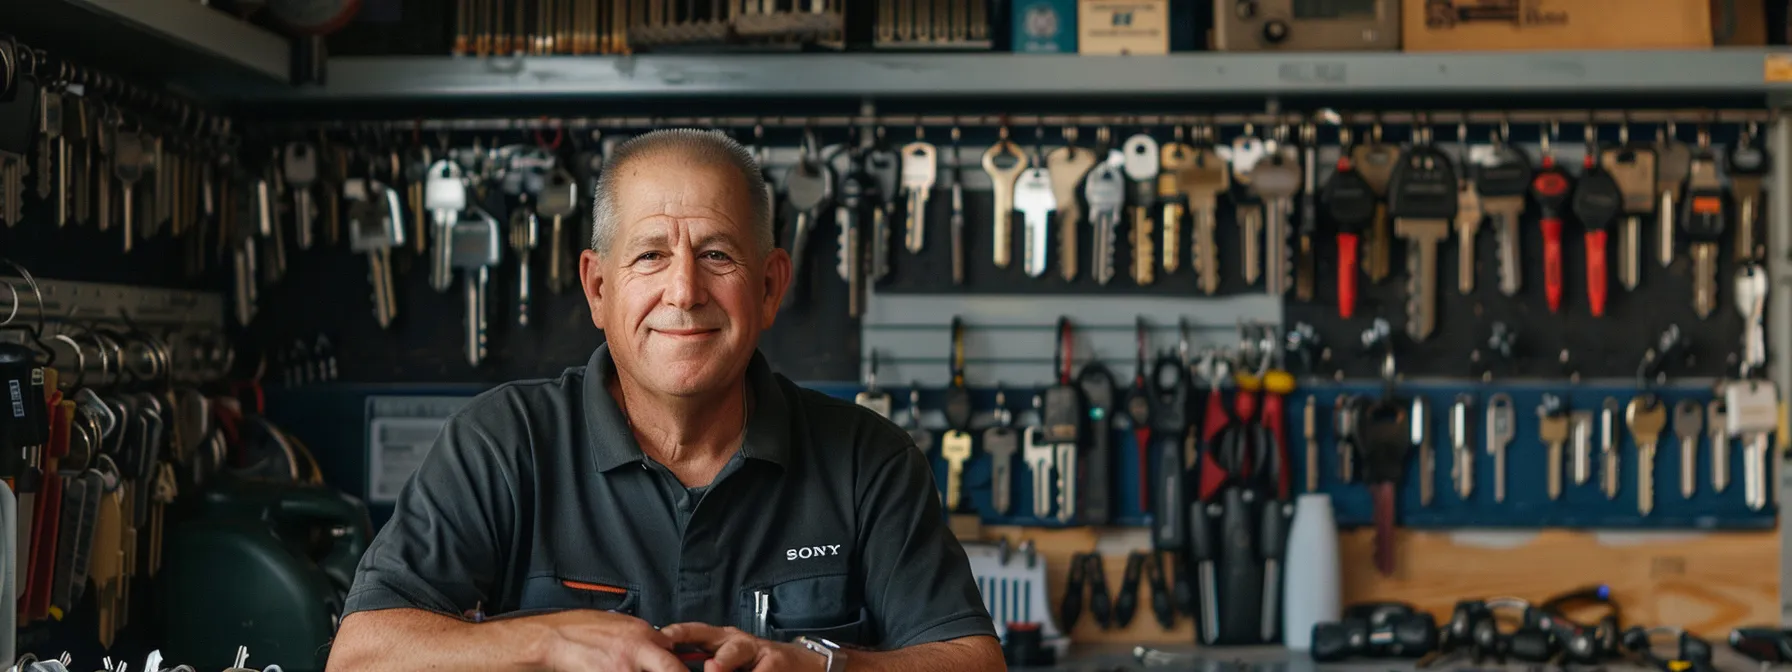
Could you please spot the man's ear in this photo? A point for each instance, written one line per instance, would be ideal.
(591, 276)
(777, 282)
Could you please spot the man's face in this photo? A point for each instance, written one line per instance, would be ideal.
(684, 291)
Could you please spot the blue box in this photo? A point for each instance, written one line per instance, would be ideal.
(1044, 26)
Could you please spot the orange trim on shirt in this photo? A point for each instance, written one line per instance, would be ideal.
(580, 585)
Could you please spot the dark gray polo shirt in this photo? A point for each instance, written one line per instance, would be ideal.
(536, 497)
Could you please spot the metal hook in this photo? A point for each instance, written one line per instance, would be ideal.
(871, 375)
(36, 292)
(1004, 416)
(1182, 343)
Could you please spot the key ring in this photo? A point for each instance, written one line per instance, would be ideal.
(1065, 354)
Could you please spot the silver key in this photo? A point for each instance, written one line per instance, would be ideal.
(1034, 198)
(1501, 428)
(244, 256)
(851, 260)
(1277, 179)
(1752, 414)
(127, 168)
(474, 251)
(49, 127)
(559, 199)
(1066, 468)
(920, 167)
(1673, 159)
(1105, 192)
(1717, 426)
(1751, 302)
(374, 232)
(1634, 169)
(1580, 446)
(1000, 442)
(445, 196)
(1608, 447)
(884, 167)
(1462, 451)
(1420, 431)
(525, 236)
(299, 167)
(1038, 456)
(1004, 162)
(809, 189)
(1688, 421)
(268, 220)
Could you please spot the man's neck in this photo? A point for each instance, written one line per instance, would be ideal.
(678, 432)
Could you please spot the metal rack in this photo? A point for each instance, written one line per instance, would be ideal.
(78, 316)
(1738, 71)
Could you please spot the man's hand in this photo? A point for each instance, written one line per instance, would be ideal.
(586, 639)
(733, 650)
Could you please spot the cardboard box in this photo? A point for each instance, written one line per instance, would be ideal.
(1044, 26)
(1739, 23)
(1111, 27)
(1511, 25)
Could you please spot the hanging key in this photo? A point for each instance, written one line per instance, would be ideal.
(476, 250)
(955, 446)
(1000, 443)
(1502, 182)
(1597, 203)
(49, 128)
(1746, 164)
(445, 195)
(1502, 427)
(1462, 446)
(1551, 188)
(1646, 416)
(374, 233)
(1105, 192)
(1552, 429)
(1142, 165)
(849, 215)
(525, 236)
(917, 432)
(1350, 204)
(1068, 165)
(1468, 219)
(1422, 204)
(1306, 260)
(1247, 208)
(1377, 160)
(1689, 418)
(1717, 424)
(1580, 445)
(1173, 159)
(955, 223)
(1004, 161)
(809, 191)
(1205, 178)
(1673, 161)
(1038, 454)
(884, 168)
(1704, 218)
(1277, 179)
(873, 398)
(1033, 198)
(558, 201)
(920, 165)
(1633, 167)
(127, 168)
(1751, 302)
(1608, 447)
(1062, 412)
(1421, 439)
(299, 167)
(1752, 414)
(1387, 441)
(1346, 417)
(1310, 433)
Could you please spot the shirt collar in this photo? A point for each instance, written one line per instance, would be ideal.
(613, 444)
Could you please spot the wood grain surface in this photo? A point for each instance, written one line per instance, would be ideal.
(1706, 582)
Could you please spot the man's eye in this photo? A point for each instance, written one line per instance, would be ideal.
(648, 256)
(714, 255)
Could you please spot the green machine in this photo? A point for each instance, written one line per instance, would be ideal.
(264, 565)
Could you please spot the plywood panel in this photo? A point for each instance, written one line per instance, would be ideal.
(1707, 582)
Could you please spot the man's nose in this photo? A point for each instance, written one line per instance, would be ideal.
(684, 283)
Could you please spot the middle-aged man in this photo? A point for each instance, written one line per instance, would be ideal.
(673, 493)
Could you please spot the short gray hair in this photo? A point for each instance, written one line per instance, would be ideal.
(705, 146)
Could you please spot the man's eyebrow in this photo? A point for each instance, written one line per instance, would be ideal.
(649, 239)
(717, 238)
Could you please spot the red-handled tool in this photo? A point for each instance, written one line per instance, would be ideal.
(1138, 408)
(1550, 187)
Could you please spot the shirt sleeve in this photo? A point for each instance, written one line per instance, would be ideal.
(918, 582)
(447, 543)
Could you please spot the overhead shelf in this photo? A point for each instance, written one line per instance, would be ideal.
(1725, 71)
(167, 39)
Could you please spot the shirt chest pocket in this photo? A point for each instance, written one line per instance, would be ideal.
(821, 606)
(549, 592)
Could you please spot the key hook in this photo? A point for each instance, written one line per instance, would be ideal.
(957, 352)
(1065, 355)
(871, 375)
(914, 403)
(1182, 343)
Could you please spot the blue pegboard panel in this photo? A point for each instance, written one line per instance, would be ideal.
(1527, 504)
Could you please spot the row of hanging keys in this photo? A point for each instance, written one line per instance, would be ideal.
(151, 663)
(579, 27)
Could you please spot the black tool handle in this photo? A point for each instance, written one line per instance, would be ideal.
(1100, 606)
(1240, 582)
(1072, 607)
(1161, 607)
(1170, 533)
(1126, 601)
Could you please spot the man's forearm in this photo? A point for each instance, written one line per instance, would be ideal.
(966, 654)
(414, 639)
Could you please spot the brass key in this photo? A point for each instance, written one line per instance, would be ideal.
(1175, 157)
(1646, 416)
(1204, 180)
(1142, 164)
(955, 448)
(1552, 428)
(1004, 162)
(1376, 160)
(1068, 165)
